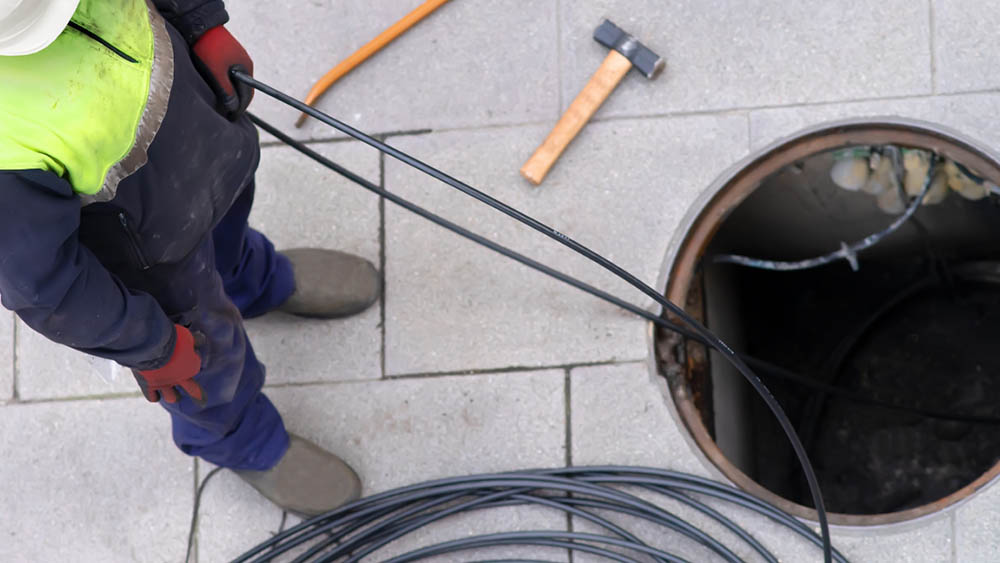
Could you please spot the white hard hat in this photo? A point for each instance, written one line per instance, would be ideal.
(28, 26)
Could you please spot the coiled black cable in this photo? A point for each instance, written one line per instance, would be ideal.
(695, 326)
(359, 529)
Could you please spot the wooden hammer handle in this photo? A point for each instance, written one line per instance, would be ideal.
(600, 86)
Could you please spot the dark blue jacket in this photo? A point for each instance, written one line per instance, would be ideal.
(68, 271)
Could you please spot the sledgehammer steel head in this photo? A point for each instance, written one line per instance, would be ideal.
(644, 60)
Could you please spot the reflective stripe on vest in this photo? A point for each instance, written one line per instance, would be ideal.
(87, 106)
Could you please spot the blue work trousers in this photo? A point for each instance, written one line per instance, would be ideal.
(234, 274)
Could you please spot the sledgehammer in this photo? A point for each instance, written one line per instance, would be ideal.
(626, 52)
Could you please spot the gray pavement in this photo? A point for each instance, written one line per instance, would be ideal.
(473, 363)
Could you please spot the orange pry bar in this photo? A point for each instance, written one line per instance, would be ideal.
(369, 49)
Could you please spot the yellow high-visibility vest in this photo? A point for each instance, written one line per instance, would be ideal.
(87, 106)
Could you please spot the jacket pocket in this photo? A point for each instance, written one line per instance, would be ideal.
(138, 257)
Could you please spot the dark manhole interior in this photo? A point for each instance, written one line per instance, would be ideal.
(917, 325)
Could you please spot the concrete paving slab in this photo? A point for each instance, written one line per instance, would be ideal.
(400, 432)
(621, 189)
(6, 355)
(976, 525)
(724, 55)
(965, 52)
(299, 203)
(964, 113)
(92, 481)
(46, 370)
(927, 540)
(471, 63)
(619, 416)
(298, 350)
(443, 426)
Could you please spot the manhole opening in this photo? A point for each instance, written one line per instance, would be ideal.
(916, 325)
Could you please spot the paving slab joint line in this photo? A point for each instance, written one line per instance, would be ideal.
(724, 111)
(487, 127)
(559, 62)
(567, 386)
(526, 370)
(736, 110)
(953, 520)
(930, 37)
(516, 369)
(713, 112)
(749, 132)
(197, 524)
(322, 140)
(15, 393)
(382, 262)
(78, 398)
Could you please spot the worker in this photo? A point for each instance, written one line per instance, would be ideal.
(126, 179)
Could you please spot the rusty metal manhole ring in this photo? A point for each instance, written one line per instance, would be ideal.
(696, 232)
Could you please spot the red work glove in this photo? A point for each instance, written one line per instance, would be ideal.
(216, 53)
(184, 364)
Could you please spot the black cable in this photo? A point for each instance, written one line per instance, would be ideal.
(360, 513)
(194, 513)
(946, 277)
(693, 503)
(531, 538)
(708, 335)
(691, 483)
(812, 412)
(763, 366)
(778, 372)
(463, 232)
(284, 520)
(580, 489)
(540, 480)
(566, 545)
(482, 502)
(379, 534)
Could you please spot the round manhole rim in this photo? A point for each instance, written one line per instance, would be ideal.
(711, 208)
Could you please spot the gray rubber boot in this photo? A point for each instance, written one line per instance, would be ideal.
(330, 284)
(307, 481)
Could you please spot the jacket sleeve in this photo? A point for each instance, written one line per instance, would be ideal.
(193, 17)
(60, 289)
